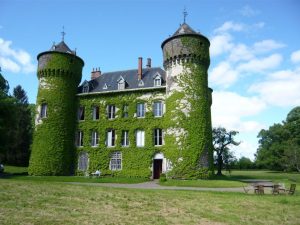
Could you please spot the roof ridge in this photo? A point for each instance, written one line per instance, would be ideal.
(131, 70)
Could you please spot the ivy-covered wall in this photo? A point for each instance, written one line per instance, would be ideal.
(136, 161)
(53, 151)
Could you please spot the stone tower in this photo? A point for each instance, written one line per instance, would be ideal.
(186, 61)
(53, 149)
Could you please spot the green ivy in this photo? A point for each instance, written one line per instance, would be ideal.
(53, 151)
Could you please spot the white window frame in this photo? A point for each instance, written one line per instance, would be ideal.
(44, 109)
(79, 139)
(115, 161)
(140, 138)
(125, 138)
(96, 112)
(158, 109)
(121, 85)
(83, 161)
(111, 112)
(111, 138)
(140, 110)
(95, 139)
(158, 137)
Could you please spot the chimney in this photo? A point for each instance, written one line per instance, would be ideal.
(148, 63)
(95, 73)
(140, 68)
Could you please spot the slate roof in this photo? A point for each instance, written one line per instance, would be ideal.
(110, 80)
(61, 47)
(184, 29)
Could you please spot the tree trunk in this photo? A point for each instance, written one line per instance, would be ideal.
(220, 165)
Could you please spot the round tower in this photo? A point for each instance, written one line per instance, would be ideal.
(53, 149)
(186, 61)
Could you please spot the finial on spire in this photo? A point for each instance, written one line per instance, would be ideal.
(63, 33)
(184, 14)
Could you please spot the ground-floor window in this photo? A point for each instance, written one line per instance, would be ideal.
(116, 161)
(83, 161)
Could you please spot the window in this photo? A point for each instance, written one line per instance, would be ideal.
(96, 113)
(116, 161)
(158, 137)
(43, 113)
(79, 139)
(111, 111)
(104, 86)
(95, 139)
(125, 139)
(140, 138)
(157, 82)
(110, 138)
(81, 113)
(140, 110)
(141, 83)
(121, 84)
(83, 161)
(125, 111)
(158, 109)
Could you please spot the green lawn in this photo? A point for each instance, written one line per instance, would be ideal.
(23, 202)
(204, 183)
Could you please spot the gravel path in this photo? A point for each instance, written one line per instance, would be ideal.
(155, 186)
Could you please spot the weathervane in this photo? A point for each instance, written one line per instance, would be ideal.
(63, 33)
(184, 14)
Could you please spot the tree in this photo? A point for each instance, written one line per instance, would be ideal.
(222, 139)
(7, 117)
(19, 150)
(245, 163)
(279, 146)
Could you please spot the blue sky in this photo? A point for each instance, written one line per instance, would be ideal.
(255, 48)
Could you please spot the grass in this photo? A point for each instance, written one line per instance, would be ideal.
(24, 202)
(237, 178)
(203, 183)
(20, 173)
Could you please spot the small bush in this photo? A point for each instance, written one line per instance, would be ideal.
(162, 178)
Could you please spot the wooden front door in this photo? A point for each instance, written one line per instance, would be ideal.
(157, 168)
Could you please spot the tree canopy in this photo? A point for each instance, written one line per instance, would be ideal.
(279, 146)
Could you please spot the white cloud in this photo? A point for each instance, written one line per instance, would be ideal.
(231, 110)
(280, 89)
(15, 60)
(229, 26)
(262, 64)
(245, 149)
(266, 46)
(220, 44)
(248, 11)
(240, 52)
(295, 57)
(223, 75)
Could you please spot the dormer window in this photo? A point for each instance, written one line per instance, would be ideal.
(104, 86)
(85, 87)
(121, 83)
(141, 83)
(157, 80)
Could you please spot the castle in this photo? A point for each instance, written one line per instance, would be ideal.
(134, 123)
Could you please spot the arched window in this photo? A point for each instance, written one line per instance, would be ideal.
(83, 161)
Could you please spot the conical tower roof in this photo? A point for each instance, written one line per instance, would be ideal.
(184, 29)
(61, 47)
